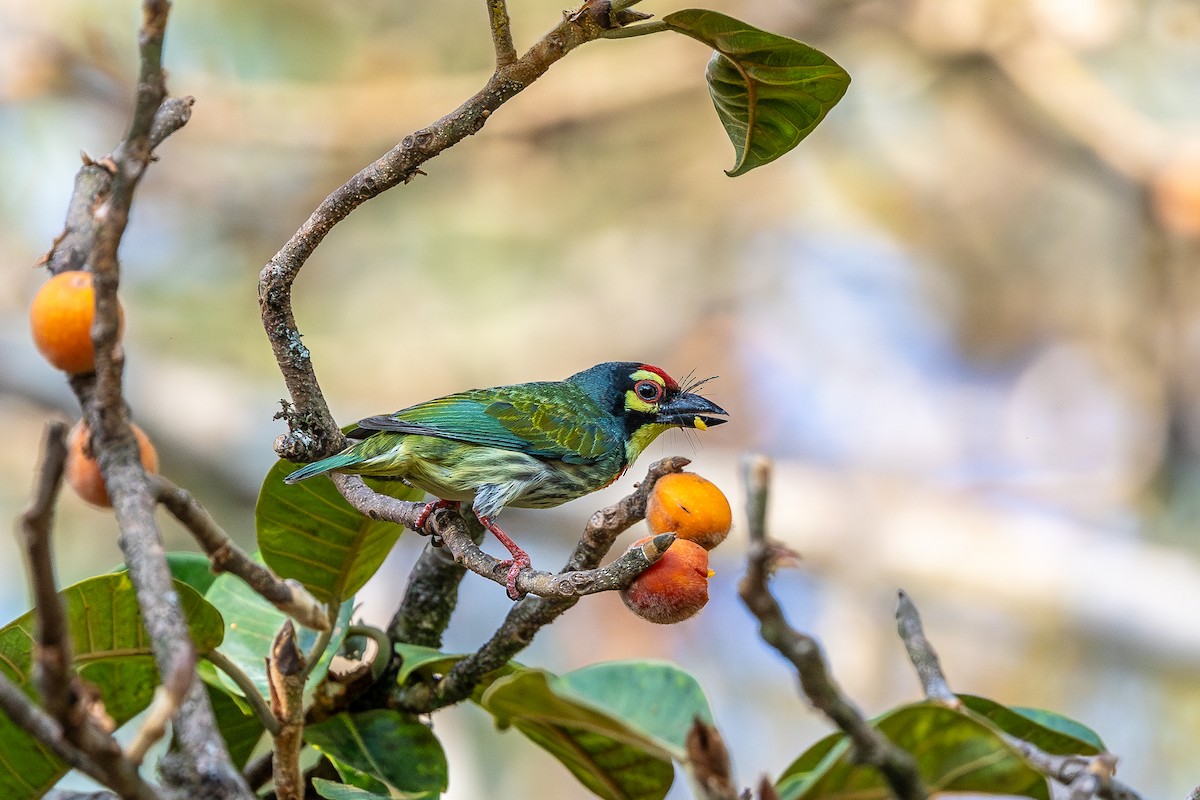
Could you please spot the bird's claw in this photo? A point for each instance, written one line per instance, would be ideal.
(515, 565)
(423, 517)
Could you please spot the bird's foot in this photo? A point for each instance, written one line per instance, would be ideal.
(423, 517)
(515, 565)
(519, 561)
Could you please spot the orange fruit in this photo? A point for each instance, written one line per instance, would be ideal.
(83, 473)
(673, 588)
(690, 506)
(61, 320)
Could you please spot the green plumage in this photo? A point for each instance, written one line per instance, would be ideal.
(531, 445)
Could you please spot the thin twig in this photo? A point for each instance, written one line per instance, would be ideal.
(1086, 776)
(285, 670)
(920, 651)
(530, 615)
(501, 32)
(249, 691)
(224, 555)
(871, 747)
(54, 674)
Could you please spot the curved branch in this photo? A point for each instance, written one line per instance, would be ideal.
(312, 431)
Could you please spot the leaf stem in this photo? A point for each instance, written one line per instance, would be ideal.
(383, 646)
(629, 31)
(249, 690)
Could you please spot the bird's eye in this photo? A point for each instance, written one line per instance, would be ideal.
(648, 391)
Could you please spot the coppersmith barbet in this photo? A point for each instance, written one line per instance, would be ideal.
(529, 445)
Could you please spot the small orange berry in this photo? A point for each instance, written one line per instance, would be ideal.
(673, 588)
(83, 473)
(690, 506)
(61, 320)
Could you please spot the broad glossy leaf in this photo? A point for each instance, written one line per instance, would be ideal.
(1051, 732)
(615, 726)
(250, 626)
(387, 747)
(112, 650)
(769, 91)
(956, 751)
(309, 532)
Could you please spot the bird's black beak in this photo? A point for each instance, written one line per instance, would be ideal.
(686, 410)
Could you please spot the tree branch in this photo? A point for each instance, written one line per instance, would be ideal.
(285, 671)
(920, 651)
(312, 431)
(288, 596)
(54, 674)
(870, 746)
(530, 615)
(97, 217)
(501, 29)
(68, 701)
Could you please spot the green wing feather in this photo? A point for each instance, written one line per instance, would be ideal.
(549, 420)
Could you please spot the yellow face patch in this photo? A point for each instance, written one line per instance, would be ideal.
(647, 392)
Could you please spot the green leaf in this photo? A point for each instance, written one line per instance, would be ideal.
(309, 532)
(332, 790)
(193, 569)
(251, 625)
(615, 726)
(240, 729)
(769, 91)
(395, 751)
(112, 650)
(1051, 732)
(427, 662)
(956, 751)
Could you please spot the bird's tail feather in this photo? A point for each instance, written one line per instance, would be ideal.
(321, 467)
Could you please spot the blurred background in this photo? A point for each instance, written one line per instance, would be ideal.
(963, 317)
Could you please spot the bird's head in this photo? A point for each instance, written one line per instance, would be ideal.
(647, 401)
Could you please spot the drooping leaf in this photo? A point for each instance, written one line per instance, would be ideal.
(112, 650)
(250, 626)
(956, 751)
(769, 91)
(1051, 732)
(394, 751)
(309, 532)
(615, 726)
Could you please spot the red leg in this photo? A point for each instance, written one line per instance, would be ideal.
(430, 508)
(518, 562)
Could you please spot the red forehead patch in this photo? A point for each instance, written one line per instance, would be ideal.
(668, 381)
